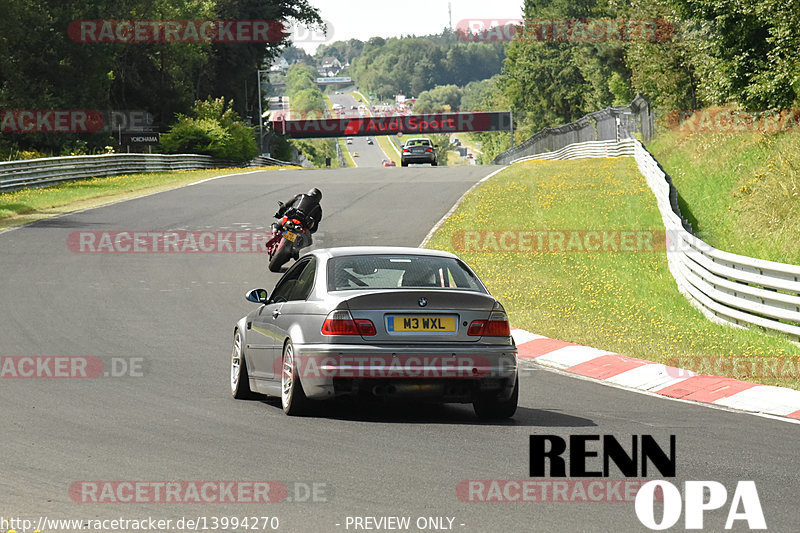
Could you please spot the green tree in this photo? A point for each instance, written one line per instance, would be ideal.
(437, 98)
(41, 67)
(214, 129)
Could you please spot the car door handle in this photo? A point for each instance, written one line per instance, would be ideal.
(276, 314)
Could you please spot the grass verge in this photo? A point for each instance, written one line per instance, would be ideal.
(28, 205)
(348, 158)
(626, 303)
(740, 191)
(387, 145)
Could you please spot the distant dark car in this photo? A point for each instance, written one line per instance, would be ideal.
(389, 163)
(369, 140)
(420, 150)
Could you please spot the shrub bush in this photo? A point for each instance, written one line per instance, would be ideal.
(214, 129)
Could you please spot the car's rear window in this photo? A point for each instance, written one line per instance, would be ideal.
(358, 272)
(419, 142)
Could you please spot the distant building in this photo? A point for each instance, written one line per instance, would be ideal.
(279, 65)
(329, 67)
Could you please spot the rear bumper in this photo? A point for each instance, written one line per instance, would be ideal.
(444, 374)
(418, 158)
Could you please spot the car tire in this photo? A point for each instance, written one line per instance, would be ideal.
(404, 164)
(492, 408)
(293, 399)
(281, 256)
(240, 381)
(435, 164)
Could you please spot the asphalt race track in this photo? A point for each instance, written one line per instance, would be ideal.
(177, 420)
(369, 155)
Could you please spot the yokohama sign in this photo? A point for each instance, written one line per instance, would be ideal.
(410, 125)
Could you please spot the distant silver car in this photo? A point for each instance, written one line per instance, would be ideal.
(391, 323)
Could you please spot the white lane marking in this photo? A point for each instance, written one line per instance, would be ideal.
(8, 230)
(436, 227)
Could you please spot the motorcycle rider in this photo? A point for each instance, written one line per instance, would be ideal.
(305, 208)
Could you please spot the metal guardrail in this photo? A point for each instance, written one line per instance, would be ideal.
(727, 288)
(609, 124)
(262, 161)
(588, 149)
(50, 170)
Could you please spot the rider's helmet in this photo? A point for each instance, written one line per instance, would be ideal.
(316, 194)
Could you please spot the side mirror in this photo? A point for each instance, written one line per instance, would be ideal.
(257, 296)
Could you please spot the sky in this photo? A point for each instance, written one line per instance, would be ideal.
(362, 19)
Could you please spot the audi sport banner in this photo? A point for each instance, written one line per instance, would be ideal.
(392, 125)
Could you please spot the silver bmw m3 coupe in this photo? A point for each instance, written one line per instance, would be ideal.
(377, 322)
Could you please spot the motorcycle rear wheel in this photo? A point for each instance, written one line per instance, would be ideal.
(281, 256)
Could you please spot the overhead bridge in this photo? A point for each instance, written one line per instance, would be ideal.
(418, 124)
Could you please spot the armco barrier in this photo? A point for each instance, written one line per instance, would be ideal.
(587, 149)
(610, 124)
(49, 170)
(727, 288)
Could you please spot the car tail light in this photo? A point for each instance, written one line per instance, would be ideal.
(339, 323)
(294, 220)
(430, 149)
(342, 323)
(496, 326)
(476, 328)
(406, 150)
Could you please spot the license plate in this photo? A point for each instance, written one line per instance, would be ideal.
(291, 237)
(420, 324)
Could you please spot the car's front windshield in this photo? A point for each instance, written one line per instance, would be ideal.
(354, 272)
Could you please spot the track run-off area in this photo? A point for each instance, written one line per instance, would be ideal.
(170, 417)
